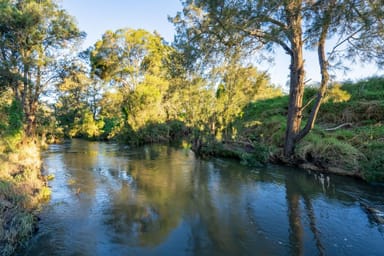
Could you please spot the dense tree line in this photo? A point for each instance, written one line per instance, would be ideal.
(131, 84)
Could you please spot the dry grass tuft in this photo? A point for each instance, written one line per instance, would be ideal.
(22, 189)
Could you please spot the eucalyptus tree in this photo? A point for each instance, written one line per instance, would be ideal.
(133, 63)
(209, 28)
(33, 37)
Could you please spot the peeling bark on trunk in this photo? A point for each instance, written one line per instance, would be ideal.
(296, 91)
(294, 133)
(323, 87)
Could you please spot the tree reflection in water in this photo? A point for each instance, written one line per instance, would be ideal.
(161, 200)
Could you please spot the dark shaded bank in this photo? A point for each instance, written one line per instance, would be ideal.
(22, 190)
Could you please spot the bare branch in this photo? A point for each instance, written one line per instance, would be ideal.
(341, 42)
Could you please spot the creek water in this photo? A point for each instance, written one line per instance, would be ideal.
(159, 200)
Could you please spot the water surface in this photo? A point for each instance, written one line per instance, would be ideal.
(158, 200)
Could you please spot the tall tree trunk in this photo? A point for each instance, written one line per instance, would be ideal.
(323, 63)
(296, 91)
(320, 94)
(33, 97)
(293, 133)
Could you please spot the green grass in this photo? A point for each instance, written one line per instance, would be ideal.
(328, 151)
(356, 149)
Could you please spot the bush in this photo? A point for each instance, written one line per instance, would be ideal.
(259, 155)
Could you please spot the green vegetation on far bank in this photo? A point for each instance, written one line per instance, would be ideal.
(348, 138)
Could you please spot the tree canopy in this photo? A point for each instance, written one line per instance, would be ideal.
(34, 35)
(210, 28)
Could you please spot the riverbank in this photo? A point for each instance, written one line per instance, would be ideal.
(22, 190)
(348, 138)
(158, 200)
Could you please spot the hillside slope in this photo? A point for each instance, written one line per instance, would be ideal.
(348, 137)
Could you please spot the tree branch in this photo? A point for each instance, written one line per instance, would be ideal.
(341, 42)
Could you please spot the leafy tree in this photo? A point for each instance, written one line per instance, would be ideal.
(212, 28)
(238, 86)
(78, 97)
(86, 126)
(34, 34)
(133, 62)
(110, 112)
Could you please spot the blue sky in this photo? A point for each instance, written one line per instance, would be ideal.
(96, 16)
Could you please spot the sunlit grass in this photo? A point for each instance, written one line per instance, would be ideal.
(357, 148)
(22, 189)
(330, 152)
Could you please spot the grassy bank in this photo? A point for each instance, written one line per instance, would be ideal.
(348, 137)
(22, 190)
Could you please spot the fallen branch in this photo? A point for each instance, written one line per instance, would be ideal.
(338, 127)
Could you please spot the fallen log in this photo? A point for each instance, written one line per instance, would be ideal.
(340, 126)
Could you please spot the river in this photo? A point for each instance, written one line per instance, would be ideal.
(109, 199)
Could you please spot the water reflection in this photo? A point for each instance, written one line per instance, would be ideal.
(158, 200)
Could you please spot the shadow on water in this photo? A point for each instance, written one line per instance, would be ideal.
(159, 200)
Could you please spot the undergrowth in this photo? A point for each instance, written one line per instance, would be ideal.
(22, 189)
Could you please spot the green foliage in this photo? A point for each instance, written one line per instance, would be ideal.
(12, 123)
(210, 31)
(133, 62)
(373, 164)
(109, 127)
(240, 85)
(35, 36)
(364, 106)
(357, 148)
(264, 121)
(86, 126)
(125, 56)
(259, 156)
(152, 132)
(15, 116)
(336, 94)
(330, 152)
